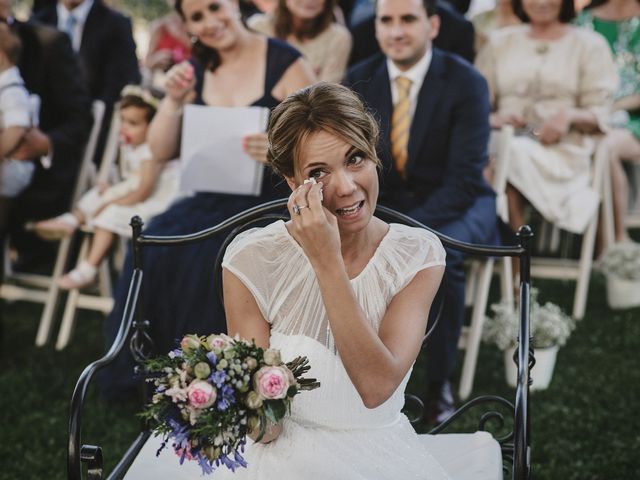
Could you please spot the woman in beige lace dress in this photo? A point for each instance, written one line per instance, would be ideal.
(490, 20)
(309, 26)
(553, 82)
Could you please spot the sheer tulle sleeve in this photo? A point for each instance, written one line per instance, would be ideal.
(244, 258)
(277, 273)
(415, 249)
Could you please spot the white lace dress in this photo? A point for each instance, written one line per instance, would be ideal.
(330, 434)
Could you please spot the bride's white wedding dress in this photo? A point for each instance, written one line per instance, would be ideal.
(330, 434)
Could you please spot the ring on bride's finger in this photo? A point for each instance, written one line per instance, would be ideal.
(296, 208)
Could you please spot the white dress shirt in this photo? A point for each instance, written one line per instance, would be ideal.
(416, 74)
(80, 13)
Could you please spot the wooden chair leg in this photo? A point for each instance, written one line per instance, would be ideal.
(584, 269)
(53, 293)
(554, 242)
(471, 283)
(600, 178)
(506, 282)
(68, 318)
(609, 236)
(474, 333)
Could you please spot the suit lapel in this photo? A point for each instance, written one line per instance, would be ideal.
(430, 93)
(379, 100)
(91, 24)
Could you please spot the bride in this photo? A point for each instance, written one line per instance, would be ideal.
(340, 286)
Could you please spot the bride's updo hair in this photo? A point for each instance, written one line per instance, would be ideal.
(327, 107)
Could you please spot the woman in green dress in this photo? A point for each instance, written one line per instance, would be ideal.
(619, 22)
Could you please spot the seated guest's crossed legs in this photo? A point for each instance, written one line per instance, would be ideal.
(622, 146)
(478, 225)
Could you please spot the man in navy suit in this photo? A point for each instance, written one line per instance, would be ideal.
(437, 179)
(50, 70)
(456, 33)
(104, 41)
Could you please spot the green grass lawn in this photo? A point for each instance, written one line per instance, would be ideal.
(583, 427)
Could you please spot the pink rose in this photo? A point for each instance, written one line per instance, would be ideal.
(216, 341)
(189, 343)
(272, 383)
(201, 394)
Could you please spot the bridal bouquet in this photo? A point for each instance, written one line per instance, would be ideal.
(212, 391)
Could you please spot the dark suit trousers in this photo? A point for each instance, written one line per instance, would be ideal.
(5, 205)
(478, 225)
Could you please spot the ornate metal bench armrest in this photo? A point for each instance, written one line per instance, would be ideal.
(92, 455)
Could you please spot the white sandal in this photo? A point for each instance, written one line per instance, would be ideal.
(81, 276)
(55, 228)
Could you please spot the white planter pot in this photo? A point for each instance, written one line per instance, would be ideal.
(622, 293)
(541, 372)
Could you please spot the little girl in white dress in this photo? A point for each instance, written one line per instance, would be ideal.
(147, 188)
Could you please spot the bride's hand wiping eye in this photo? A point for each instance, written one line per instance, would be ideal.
(313, 226)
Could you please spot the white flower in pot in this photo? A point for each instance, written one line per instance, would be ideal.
(621, 266)
(550, 328)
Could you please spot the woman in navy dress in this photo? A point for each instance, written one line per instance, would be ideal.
(232, 67)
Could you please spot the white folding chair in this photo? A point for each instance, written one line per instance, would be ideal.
(479, 276)
(101, 301)
(43, 288)
(580, 270)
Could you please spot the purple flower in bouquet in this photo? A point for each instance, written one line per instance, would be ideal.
(213, 358)
(204, 464)
(180, 433)
(227, 398)
(218, 378)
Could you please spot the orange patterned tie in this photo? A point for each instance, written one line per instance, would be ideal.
(400, 124)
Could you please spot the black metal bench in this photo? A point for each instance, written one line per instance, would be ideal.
(515, 446)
